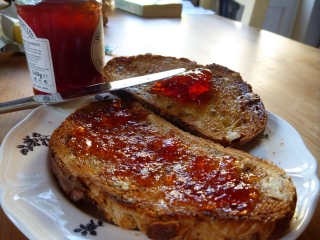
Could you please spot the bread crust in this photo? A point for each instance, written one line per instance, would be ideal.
(233, 116)
(131, 203)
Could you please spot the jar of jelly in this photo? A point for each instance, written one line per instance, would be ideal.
(64, 43)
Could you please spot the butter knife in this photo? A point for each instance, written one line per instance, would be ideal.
(54, 98)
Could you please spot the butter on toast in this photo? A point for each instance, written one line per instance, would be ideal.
(143, 172)
(231, 116)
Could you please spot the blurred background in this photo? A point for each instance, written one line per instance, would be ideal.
(295, 19)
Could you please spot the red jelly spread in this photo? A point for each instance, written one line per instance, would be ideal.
(131, 147)
(185, 87)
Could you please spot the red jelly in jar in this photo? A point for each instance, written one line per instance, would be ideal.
(64, 43)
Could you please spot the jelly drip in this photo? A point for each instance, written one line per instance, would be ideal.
(193, 85)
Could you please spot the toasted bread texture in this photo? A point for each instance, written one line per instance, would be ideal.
(232, 114)
(144, 173)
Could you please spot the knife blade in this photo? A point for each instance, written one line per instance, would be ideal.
(54, 98)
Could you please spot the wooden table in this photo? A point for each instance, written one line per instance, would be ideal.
(285, 73)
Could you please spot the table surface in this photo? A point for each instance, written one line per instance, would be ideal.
(285, 73)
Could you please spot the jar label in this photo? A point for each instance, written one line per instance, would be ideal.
(39, 59)
(97, 47)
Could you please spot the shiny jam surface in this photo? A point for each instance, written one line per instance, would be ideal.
(69, 26)
(185, 87)
(135, 149)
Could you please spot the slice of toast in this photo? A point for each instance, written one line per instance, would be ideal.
(143, 172)
(232, 114)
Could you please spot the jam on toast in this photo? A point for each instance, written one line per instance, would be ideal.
(225, 110)
(143, 172)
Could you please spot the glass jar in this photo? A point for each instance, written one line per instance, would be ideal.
(64, 43)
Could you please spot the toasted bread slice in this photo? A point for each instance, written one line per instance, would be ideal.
(143, 172)
(231, 116)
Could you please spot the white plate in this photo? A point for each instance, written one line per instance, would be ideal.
(33, 201)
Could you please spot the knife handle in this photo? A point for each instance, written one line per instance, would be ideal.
(17, 105)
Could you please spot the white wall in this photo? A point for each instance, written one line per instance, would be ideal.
(302, 19)
(312, 35)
